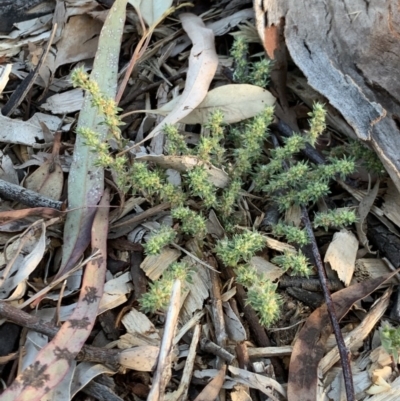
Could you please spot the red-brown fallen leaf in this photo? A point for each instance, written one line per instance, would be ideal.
(310, 345)
(53, 361)
(211, 391)
(9, 216)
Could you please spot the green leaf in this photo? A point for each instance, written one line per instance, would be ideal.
(86, 180)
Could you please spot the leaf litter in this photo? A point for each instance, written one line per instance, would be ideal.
(160, 355)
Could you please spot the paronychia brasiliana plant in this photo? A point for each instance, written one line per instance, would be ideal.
(241, 150)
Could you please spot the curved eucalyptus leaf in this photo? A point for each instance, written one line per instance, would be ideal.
(86, 181)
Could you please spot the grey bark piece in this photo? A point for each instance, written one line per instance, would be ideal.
(349, 51)
(102, 389)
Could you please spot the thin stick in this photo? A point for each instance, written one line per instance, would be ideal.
(141, 216)
(19, 94)
(343, 351)
(27, 197)
(88, 352)
(182, 391)
(194, 257)
(54, 283)
(163, 372)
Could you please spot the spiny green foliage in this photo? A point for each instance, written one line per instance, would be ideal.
(338, 218)
(209, 148)
(241, 247)
(106, 106)
(362, 154)
(292, 234)
(192, 223)
(249, 139)
(109, 111)
(291, 182)
(145, 180)
(256, 73)
(157, 298)
(241, 152)
(175, 145)
(297, 263)
(261, 294)
(159, 239)
(390, 338)
(174, 194)
(201, 186)
(229, 197)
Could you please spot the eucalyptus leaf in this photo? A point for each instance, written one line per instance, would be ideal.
(86, 181)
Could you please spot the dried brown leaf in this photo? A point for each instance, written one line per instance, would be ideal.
(142, 358)
(237, 102)
(364, 208)
(259, 382)
(43, 212)
(211, 391)
(53, 361)
(310, 345)
(183, 164)
(341, 255)
(203, 62)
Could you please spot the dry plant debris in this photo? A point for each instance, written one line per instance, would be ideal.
(167, 194)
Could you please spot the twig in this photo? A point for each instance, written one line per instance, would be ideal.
(130, 97)
(163, 371)
(373, 316)
(217, 311)
(19, 94)
(141, 216)
(194, 257)
(88, 353)
(242, 352)
(182, 391)
(139, 51)
(308, 151)
(343, 351)
(54, 283)
(259, 333)
(27, 197)
(212, 348)
(194, 320)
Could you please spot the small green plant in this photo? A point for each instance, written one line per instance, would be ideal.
(192, 223)
(261, 293)
(338, 218)
(248, 139)
(241, 247)
(242, 152)
(292, 234)
(108, 110)
(106, 106)
(149, 182)
(296, 262)
(201, 186)
(175, 145)
(209, 148)
(255, 73)
(299, 183)
(157, 298)
(159, 239)
(390, 338)
(362, 154)
(289, 182)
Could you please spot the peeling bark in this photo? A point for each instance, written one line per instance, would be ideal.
(349, 50)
